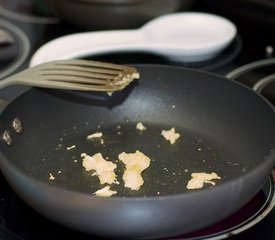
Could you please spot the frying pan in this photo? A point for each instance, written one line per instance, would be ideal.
(225, 128)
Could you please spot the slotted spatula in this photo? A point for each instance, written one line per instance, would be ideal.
(75, 74)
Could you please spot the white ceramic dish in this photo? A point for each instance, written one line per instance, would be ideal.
(185, 37)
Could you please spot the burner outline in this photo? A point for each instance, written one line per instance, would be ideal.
(24, 48)
(29, 19)
(248, 223)
(250, 66)
(259, 86)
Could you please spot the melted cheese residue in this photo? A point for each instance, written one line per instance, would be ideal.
(103, 169)
(135, 163)
(198, 180)
(170, 135)
(125, 81)
(71, 147)
(51, 177)
(140, 126)
(105, 192)
(94, 135)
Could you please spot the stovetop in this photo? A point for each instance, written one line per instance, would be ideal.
(249, 60)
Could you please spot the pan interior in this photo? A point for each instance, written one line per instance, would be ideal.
(216, 135)
(170, 168)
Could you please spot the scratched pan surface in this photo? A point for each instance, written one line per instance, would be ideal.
(225, 128)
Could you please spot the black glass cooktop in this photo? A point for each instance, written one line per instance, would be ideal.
(249, 60)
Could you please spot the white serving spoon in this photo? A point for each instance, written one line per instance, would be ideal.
(184, 37)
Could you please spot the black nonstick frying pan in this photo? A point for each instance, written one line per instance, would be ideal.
(225, 128)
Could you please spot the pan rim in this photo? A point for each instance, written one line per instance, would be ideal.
(184, 68)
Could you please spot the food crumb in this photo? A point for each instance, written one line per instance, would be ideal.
(51, 177)
(198, 179)
(135, 163)
(170, 135)
(71, 147)
(140, 126)
(59, 146)
(105, 192)
(94, 135)
(103, 169)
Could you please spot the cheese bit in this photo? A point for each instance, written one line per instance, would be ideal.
(103, 169)
(199, 179)
(135, 164)
(105, 192)
(94, 135)
(170, 135)
(140, 126)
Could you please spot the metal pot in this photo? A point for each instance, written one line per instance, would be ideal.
(116, 14)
